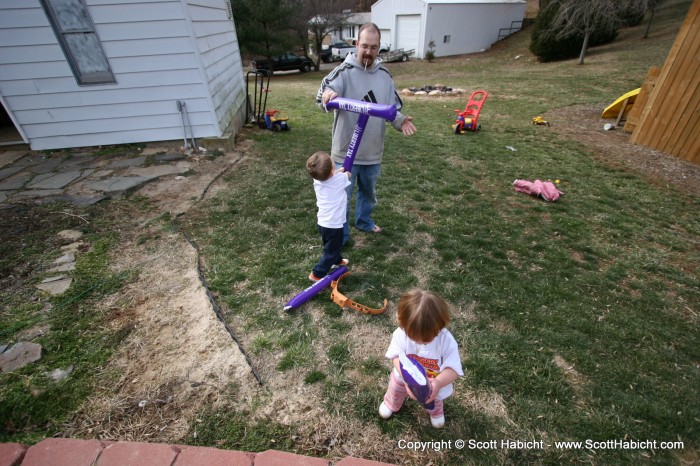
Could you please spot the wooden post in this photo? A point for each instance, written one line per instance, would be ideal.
(670, 122)
(642, 99)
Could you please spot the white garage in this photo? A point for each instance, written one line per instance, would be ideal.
(454, 26)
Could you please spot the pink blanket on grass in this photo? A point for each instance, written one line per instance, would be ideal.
(545, 189)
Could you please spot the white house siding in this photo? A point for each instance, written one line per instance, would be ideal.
(218, 48)
(473, 25)
(386, 36)
(353, 23)
(155, 59)
(385, 15)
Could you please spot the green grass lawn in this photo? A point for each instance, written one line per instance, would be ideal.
(577, 319)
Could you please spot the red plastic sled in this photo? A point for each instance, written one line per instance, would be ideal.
(468, 120)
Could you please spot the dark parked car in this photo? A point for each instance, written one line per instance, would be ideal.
(326, 55)
(283, 62)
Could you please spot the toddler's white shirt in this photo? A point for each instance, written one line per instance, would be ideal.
(435, 356)
(332, 200)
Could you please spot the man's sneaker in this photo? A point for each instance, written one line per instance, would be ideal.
(313, 277)
(341, 263)
(438, 422)
(384, 411)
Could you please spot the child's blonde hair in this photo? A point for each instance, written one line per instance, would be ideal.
(320, 166)
(422, 315)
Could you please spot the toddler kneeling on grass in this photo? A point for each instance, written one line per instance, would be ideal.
(422, 336)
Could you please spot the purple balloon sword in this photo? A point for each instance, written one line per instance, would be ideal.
(315, 289)
(366, 110)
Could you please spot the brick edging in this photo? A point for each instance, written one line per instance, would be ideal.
(77, 452)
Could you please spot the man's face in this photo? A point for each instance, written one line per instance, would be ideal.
(368, 47)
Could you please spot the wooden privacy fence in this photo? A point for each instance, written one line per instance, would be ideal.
(670, 119)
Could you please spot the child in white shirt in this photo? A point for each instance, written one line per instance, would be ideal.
(332, 201)
(422, 335)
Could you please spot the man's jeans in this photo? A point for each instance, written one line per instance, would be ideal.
(365, 176)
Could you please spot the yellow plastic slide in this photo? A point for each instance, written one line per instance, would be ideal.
(613, 109)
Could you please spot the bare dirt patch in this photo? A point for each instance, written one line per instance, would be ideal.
(573, 377)
(583, 123)
(176, 195)
(178, 356)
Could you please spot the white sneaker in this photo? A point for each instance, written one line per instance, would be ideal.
(437, 422)
(384, 411)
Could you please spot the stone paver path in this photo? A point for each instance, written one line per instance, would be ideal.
(83, 179)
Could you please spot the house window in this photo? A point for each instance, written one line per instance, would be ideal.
(446, 39)
(75, 31)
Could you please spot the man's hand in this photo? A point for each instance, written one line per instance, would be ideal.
(407, 127)
(328, 95)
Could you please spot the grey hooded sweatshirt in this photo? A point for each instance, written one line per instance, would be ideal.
(375, 84)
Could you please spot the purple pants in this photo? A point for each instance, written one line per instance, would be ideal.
(396, 394)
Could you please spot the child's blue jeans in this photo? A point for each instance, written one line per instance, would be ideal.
(332, 250)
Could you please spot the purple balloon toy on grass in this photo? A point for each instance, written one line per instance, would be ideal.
(315, 289)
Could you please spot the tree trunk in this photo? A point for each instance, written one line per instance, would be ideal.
(317, 50)
(584, 48)
(646, 33)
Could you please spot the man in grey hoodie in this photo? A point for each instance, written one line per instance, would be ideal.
(363, 77)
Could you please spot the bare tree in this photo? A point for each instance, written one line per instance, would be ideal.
(356, 6)
(298, 22)
(582, 17)
(651, 6)
(364, 5)
(325, 16)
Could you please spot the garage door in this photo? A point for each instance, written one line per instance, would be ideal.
(407, 31)
(386, 36)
